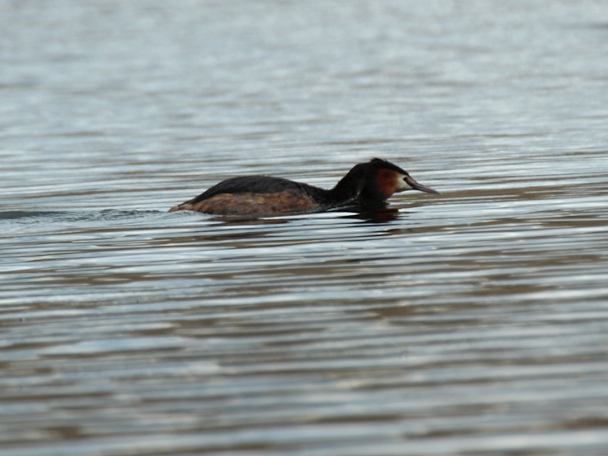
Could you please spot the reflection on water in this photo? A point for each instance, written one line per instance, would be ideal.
(470, 322)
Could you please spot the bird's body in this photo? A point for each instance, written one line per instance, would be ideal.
(366, 185)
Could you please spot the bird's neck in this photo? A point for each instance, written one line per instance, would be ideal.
(348, 188)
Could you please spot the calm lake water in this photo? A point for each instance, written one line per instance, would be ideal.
(473, 322)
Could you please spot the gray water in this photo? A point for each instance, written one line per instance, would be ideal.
(474, 322)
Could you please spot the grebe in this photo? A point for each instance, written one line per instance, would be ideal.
(366, 186)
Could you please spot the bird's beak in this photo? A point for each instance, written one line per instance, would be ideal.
(416, 186)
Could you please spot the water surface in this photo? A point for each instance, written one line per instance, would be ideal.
(474, 322)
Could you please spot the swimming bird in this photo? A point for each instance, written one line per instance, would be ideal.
(366, 186)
